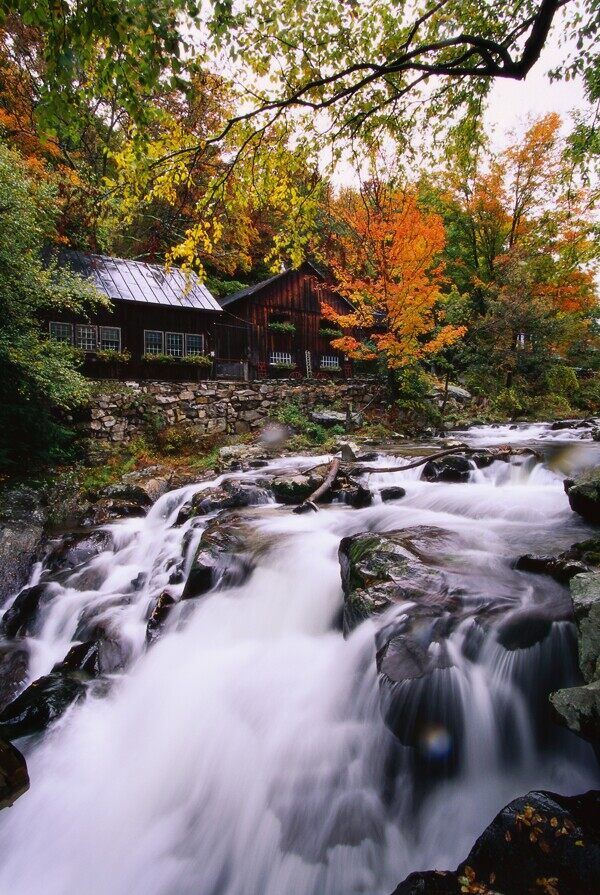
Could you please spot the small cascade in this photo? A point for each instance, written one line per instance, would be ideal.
(245, 752)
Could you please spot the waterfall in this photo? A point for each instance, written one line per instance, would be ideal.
(244, 753)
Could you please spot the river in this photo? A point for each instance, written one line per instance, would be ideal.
(244, 752)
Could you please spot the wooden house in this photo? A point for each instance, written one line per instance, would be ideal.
(159, 320)
(284, 327)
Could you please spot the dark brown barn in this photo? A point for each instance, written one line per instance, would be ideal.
(158, 320)
(282, 322)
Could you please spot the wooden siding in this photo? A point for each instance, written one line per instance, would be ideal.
(297, 297)
(133, 319)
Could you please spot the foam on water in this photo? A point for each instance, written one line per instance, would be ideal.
(245, 754)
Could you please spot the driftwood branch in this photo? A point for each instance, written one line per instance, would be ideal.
(311, 502)
(421, 462)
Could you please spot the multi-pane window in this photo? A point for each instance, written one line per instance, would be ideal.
(110, 338)
(329, 361)
(61, 332)
(174, 344)
(153, 341)
(194, 344)
(86, 337)
(281, 357)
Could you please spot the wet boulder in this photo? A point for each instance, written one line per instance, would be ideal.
(94, 658)
(562, 567)
(579, 707)
(159, 617)
(22, 618)
(128, 491)
(380, 570)
(524, 628)
(14, 662)
(45, 700)
(584, 495)
(354, 495)
(296, 487)
(447, 469)
(108, 509)
(393, 492)
(22, 520)
(76, 549)
(541, 843)
(231, 495)
(14, 779)
(212, 569)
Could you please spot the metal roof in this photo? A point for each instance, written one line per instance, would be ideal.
(135, 281)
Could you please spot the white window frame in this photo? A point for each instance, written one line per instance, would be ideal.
(281, 357)
(162, 341)
(166, 342)
(330, 362)
(187, 348)
(102, 347)
(87, 326)
(68, 340)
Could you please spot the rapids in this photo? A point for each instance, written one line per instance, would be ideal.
(244, 753)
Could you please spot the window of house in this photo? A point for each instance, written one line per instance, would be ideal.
(153, 341)
(86, 337)
(61, 332)
(281, 357)
(328, 361)
(194, 344)
(110, 338)
(174, 344)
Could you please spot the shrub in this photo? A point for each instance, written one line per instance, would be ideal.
(280, 365)
(553, 406)
(329, 332)
(562, 380)
(197, 360)
(588, 396)
(508, 403)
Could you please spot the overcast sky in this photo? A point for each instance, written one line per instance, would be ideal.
(511, 102)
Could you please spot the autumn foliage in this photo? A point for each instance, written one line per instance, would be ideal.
(385, 260)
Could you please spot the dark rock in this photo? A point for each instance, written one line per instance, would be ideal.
(571, 424)
(562, 567)
(22, 617)
(39, 705)
(22, 520)
(523, 628)
(579, 707)
(110, 510)
(159, 616)
(483, 458)
(127, 491)
(76, 549)
(447, 469)
(394, 492)
(356, 496)
(14, 662)
(231, 495)
(94, 658)
(14, 779)
(379, 570)
(539, 840)
(584, 495)
(212, 569)
(293, 489)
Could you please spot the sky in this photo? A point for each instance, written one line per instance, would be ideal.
(510, 102)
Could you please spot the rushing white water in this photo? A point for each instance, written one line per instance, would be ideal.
(244, 753)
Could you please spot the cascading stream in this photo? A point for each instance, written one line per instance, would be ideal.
(244, 753)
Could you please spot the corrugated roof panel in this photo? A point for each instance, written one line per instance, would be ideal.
(135, 281)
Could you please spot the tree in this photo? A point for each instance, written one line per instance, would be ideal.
(386, 263)
(39, 380)
(521, 249)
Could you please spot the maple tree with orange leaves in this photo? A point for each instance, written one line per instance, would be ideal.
(386, 262)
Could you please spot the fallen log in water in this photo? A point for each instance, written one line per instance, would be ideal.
(311, 501)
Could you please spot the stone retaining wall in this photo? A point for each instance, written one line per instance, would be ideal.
(122, 411)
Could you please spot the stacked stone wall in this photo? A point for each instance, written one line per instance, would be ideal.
(122, 411)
